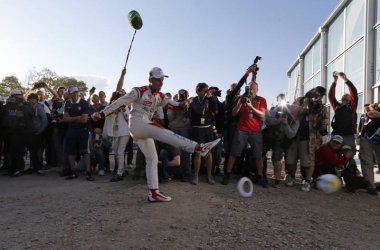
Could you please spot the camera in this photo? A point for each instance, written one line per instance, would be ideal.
(56, 116)
(182, 95)
(245, 97)
(281, 114)
(118, 94)
(255, 61)
(38, 85)
(215, 91)
(92, 90)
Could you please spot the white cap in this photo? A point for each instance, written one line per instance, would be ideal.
(157, 73)
(337, 138)
(73, 89)
(15, 92)
(41, 90)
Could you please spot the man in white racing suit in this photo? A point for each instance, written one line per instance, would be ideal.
(144, 102)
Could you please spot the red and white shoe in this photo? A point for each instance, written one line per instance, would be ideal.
(156, 195)
(203, 149)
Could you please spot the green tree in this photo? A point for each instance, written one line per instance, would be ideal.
(8, 83)
(68, 81)
(54, 81)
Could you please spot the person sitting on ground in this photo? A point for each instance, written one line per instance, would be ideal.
(170, 158)
(327, 160)
(351, 175)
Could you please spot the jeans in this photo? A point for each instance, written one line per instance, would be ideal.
(98, 157)
(164, 158)
(366, 156)
(185, 156)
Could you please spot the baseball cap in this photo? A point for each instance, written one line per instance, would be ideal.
(337, 138)
(346, 147)
(157, 73)
(41, 90)
(73, 89)
(15, 92)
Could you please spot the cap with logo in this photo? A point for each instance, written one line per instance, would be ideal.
(156, 73)
(337, 138)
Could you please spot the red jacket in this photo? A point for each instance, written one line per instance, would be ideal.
(326, 155)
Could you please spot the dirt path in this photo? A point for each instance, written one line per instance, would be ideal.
(51, 213)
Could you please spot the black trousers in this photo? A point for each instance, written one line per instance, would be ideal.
(16, 142)
(34, 145)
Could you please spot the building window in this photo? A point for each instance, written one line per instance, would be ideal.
(336, 65)
(354, 65)
(378, 11)
(317, 57)
(377, 81)
(308, 65)
(307, 86)
(354, 21)
(335, 37)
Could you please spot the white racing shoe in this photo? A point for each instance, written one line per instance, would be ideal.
(203, 149)
(156, 195)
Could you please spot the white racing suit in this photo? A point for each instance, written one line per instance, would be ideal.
(144, 103)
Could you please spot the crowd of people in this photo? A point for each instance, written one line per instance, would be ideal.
(182, 137)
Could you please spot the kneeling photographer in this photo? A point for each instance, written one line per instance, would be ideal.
(282, 126)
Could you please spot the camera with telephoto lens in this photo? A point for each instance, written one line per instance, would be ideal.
(255, 61)
(314, 102)
(39, 85)
(246, 96)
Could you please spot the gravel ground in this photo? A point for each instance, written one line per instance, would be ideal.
(51, 213)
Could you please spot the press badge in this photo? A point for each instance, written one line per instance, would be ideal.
(202, 121)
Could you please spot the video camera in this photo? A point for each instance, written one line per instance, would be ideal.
(38, 85)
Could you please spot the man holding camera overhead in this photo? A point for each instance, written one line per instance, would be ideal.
(252, 109)
(344, 122)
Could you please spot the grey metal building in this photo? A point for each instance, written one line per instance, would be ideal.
(348, 41)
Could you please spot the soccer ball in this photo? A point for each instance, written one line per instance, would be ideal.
(328, 183)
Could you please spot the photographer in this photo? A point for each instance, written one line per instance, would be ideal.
(217, 128)
(252, 109)
(179, 123)
(370, 146)
(16, 124)
(231, 121)
(313, 125)
(201, 110)
(344, 122)
(282, 125)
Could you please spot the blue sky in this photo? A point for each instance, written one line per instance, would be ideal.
(192, 41)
